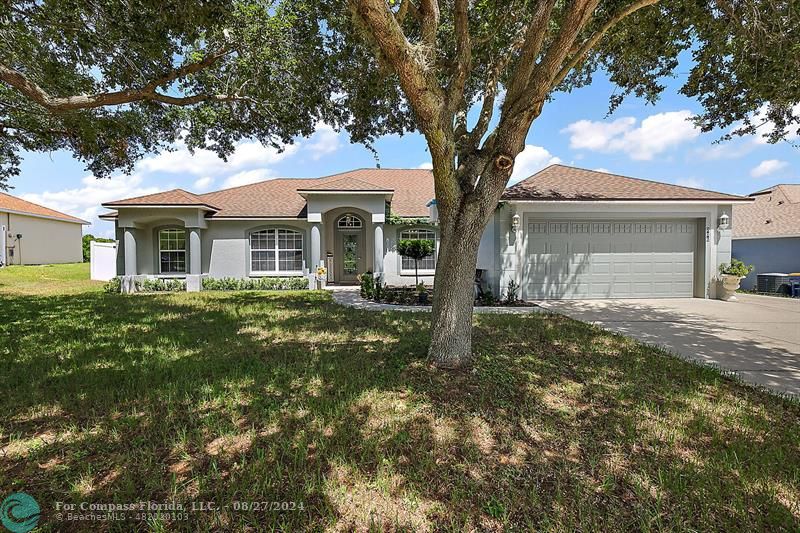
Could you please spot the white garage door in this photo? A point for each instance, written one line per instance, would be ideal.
(609, 259)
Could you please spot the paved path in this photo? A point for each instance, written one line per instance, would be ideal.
(351, 297)
(757, 337)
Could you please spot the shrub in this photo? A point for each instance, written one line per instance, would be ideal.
(735, 268)
(255, 284)
(163, 285)
(367, 281)
(511, 292)
(113, 286)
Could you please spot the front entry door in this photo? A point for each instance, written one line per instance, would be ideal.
(351, 256)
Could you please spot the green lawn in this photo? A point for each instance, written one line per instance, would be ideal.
(287, 397)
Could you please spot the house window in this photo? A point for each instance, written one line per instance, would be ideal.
(349, 221)
(172, 251)
(428, 263)
(276, 251)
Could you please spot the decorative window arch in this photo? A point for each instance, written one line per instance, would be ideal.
(349, 221)
(276, 251)
(429, 262)
(172, 251)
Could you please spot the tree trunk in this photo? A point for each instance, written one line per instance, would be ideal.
(451, 321)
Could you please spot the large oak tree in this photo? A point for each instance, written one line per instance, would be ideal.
(112, 79)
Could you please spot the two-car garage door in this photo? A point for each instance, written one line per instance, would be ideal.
(609, 259)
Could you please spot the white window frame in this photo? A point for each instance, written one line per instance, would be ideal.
(353, 220)
(422, 271)
(276, 250)
(163, 250)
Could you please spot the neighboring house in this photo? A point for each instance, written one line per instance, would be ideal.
(562, 233)
(31, 234)
(767, 232)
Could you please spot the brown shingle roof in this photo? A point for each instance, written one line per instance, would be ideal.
(346, 184)
(775, 212)
(176, 197)
(18, 205)
(559, 182)
(412, 190)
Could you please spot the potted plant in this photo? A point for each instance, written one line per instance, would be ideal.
(422, 294)
(731, 276)
(416, 249)
(322, 276)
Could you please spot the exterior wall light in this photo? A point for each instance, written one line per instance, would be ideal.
(515, 221)
(724, 221)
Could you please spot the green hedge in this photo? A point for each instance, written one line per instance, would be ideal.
(114, 285)
(162, 285)
(255, 284)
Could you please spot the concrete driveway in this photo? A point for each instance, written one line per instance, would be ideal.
(758, 337)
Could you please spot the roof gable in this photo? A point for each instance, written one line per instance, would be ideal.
(347, 185)
(174, 197)
(562, 183)
(775, 212)
(18, 205)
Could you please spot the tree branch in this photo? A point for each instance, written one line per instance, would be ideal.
(420, 86)
(591, 42)
(429, 19)
(531, 47)
(34, 92)
(455, 90)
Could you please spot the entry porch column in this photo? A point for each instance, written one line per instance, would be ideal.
(193, 276)
(377, 248)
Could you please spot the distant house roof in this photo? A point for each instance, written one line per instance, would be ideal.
(12, 204)
(411, 191)
(774, 213)
(563, 183)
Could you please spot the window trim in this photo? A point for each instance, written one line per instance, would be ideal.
(277, 272)
(422, 271)
(185, 251)
(339, 227)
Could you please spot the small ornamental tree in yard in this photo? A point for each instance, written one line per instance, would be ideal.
(416, 249)
(111, 80)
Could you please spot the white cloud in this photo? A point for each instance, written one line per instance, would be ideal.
(426, 166)
(602, 169)
(654, 135)
(203, 184)
(248, 154)
(531, 160)
(324, 141)
(247, 177)
(690, 182)
(84, 201)
(767, 167)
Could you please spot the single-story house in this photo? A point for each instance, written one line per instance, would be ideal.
(562, 233)
(31, 234)
(767, 232)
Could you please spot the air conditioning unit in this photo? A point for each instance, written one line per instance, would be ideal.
(771, 282)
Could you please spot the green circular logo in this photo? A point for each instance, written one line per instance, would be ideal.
(19, 513)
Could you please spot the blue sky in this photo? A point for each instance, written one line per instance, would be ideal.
(640, 140)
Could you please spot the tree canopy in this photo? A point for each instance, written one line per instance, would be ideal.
(110, 80)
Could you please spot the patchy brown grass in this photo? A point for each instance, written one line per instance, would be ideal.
(290, 398)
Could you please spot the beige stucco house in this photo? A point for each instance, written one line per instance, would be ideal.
(31, 234)
(562, 233)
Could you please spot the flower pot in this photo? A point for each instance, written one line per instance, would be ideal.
(729, 285)
(423, 298)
